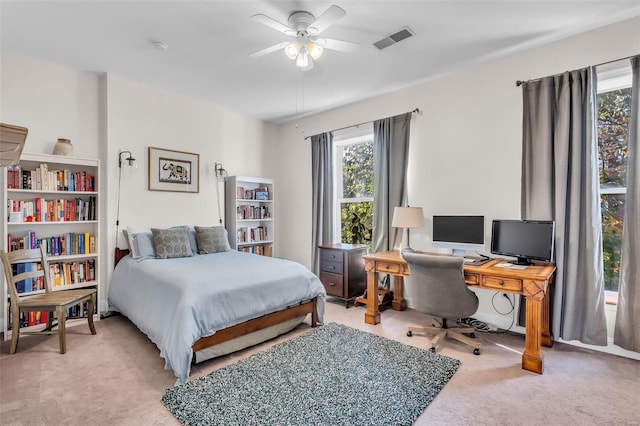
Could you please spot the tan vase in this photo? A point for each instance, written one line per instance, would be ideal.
(63, 147)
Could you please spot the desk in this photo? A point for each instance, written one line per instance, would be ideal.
(532, 283)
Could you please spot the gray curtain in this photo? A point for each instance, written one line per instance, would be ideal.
(627, 329)
(322, 192)
(560, 182)
(390, 155)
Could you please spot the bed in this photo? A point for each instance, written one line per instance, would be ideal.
(194, 308)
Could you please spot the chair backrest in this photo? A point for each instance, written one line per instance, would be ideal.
(27, 270)
(438, 287)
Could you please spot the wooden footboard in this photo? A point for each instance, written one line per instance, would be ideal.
(259, 323)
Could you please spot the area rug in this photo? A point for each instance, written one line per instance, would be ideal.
(332, 375)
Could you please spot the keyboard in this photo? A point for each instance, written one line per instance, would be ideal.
(475, 261)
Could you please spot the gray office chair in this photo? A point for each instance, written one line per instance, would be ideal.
(439, 290)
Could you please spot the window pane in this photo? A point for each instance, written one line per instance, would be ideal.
(612, 206)
(357, 170)
(614, 110)
(356, 220)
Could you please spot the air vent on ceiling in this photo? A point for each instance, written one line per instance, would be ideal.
(398, 36)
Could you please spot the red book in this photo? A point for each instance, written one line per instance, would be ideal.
(32, 319)
(38, 209)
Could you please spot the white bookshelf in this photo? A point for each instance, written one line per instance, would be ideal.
(249, 213)
(52, 230)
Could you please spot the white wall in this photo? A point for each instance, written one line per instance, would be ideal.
(103, 114)
(465, 151)
(52, 101)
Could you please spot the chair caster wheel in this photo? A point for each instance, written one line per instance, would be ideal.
(409, 333)
(432, 350)
(472, 335)
(476, 351)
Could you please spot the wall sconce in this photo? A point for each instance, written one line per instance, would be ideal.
(130, 160)
(221, 173)
(221, 176)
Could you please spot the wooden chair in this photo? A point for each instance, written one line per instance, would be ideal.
(49, 301)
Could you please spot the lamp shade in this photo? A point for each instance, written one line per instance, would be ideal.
(408, 217)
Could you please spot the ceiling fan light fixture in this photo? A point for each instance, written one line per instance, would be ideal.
(304, 60)
(314, 50)
(292, 49)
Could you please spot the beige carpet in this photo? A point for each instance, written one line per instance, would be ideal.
(117, 378)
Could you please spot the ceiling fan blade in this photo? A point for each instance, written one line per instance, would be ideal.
(339, 45)
(270, 22)
(324, 21)
(270, 49)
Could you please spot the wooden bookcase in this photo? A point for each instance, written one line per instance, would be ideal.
(59, 199)
(249, 214)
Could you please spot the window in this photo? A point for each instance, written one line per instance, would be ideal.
(353, 165)
(614, 110)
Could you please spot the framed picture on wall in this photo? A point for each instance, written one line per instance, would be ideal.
(175, 171)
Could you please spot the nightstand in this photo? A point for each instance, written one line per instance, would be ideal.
(342, 270)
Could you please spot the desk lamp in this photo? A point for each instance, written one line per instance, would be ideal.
(408, 217)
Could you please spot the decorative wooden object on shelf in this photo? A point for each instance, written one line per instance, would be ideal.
(342, 270)
(12, 139)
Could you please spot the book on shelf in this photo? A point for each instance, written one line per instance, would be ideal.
(69, 273)
(56, 210)
(259, 193)
(43, 179)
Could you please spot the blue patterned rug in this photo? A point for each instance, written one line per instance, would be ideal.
(332, 375)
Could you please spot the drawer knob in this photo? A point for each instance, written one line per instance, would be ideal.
(501, 282)
(332, 284)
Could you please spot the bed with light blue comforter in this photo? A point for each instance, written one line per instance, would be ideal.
(175, 302)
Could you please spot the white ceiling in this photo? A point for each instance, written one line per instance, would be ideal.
(209, 42)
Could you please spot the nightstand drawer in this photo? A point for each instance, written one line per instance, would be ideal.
(332, 255)
(329, 266)
(502, 283)
(333, 283)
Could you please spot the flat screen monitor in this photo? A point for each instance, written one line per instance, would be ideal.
(526, 240)
(458, 233)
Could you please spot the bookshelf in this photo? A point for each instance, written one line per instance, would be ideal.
(249, 214)
(53, 200)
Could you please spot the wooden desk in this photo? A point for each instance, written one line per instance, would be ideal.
(532, 283)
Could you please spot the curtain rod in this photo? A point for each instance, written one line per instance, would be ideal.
(360, 124)
(520, 82)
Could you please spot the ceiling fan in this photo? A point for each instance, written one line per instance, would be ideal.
(307, 46)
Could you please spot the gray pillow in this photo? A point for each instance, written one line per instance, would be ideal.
(192, 237)
(212, 239)
(171, 243)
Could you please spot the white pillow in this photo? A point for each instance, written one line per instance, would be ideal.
(140, 242)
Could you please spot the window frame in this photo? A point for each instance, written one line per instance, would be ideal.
(360, 135)
(616, 77)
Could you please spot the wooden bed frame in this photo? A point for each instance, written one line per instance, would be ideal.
(256, 324)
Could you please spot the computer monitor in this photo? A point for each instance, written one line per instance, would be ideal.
(526, 240)
(458, 233)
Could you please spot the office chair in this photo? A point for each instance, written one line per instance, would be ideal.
(439, 288)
